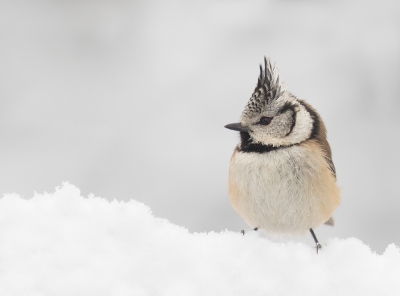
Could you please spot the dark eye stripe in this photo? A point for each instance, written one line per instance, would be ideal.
(286, 107)
(294, 117)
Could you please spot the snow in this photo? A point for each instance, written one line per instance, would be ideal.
(64, 244)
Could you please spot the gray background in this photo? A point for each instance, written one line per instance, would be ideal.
(128, 99)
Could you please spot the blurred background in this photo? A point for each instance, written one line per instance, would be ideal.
(128, 99)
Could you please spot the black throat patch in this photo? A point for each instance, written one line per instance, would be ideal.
(247, 145)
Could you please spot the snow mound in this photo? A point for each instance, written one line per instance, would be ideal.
(65, 244)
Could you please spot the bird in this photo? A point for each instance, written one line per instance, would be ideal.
(282, 179)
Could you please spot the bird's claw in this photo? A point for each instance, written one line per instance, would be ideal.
(242, 232)
(318, 247)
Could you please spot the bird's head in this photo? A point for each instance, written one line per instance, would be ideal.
(273, 117)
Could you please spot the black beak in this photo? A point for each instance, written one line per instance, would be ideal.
(237, 127)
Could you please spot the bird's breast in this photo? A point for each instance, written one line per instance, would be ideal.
(287, 190)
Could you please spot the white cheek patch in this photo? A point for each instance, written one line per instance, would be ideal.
(302, 128)
(301, 131)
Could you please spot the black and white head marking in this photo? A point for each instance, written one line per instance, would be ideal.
(273, 117)
(268, 89)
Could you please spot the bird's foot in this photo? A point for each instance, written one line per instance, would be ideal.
(243, 232)
(318, 247)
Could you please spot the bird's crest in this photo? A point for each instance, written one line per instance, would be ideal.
(268, 89)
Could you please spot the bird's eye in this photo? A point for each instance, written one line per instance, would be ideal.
(265, 120)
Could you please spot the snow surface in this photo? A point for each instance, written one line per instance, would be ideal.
(64, 244)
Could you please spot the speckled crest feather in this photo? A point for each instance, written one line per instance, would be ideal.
(267, 90)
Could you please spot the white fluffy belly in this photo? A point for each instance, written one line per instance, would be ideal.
(283, 191)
